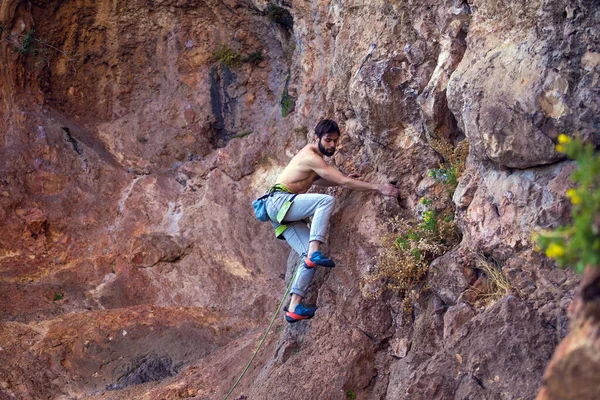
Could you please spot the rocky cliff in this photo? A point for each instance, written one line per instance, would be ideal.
(134, 136)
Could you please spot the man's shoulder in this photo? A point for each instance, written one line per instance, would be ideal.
(308, 154)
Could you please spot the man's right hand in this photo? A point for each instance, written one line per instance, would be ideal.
(388, 190)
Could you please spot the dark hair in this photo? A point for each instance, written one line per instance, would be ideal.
(326, 126)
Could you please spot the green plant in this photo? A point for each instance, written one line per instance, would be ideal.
(27, 44)
(254, 58)
(350, 394)
(425, 201)
(241, 135)
(279, 15)
(430, 221)
(453, 164)
(58, 296)
(287, 103)
(577, 244)
(447, 176)
(226, 56)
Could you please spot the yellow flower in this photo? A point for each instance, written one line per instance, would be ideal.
(560, 148)
(563, 139)
(575, 198)
(555, 251)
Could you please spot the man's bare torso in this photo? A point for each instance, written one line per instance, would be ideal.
(297, 175)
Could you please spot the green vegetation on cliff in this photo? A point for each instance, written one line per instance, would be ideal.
(409, 246)
(577, 244)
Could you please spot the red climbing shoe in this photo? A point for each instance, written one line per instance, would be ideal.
(301, 312)
(318, 259)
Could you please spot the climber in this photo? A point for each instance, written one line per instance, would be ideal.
(289, 206)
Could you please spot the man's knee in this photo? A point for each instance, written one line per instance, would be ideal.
(328, 200)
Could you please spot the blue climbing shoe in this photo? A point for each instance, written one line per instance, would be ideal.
(318, 259)
(301, 312)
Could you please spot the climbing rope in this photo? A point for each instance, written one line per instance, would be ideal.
(287, 291)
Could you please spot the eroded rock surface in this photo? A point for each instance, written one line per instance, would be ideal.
(131, 265)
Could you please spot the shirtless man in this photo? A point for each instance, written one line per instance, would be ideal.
(289, 205)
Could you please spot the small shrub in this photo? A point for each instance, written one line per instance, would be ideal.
(577, 244)
(350, 394)
(41, 56)
(27, 43)
(58, 296)
(226, 56)
(447, 176)
(254, 58)
(409, 248)
(279, 15)
(40, 48)
(241, 135)
(287, 103)
(453, 164)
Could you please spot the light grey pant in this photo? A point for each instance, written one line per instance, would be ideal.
(298, 236)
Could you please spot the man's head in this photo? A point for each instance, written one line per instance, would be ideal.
(327, 134)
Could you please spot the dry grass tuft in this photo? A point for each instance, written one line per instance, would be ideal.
(497, 285)
(409, 248)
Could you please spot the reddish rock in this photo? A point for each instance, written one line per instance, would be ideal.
(571, 372)
(455, 317)
(133, 156)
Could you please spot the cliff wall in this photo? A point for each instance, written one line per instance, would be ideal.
(134, 136)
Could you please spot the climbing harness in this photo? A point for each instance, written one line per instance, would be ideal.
(260, 208)
(287, 291)
(260, 204)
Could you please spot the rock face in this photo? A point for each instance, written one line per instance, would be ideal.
(569, 373)
(133, 138)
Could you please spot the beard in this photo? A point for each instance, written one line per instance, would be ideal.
(324, 150)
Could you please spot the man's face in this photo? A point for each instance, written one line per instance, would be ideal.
(328, 143)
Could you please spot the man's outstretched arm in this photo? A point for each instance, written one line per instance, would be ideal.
(336, 178)
(323, 182)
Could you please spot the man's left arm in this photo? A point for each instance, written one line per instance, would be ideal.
(326, 183)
